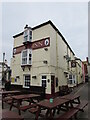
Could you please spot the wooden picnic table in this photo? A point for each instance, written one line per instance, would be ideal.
(19, 98)
(51, 107)
(74, 98)
(9, 92)
(6, 94)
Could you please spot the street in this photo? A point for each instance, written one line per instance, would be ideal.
(84, 90)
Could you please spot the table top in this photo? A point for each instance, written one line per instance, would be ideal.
(70, 96)
(9, 92)
(25, 96)
(56, 102)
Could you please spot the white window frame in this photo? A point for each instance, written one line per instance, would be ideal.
(25, 80)
(44, 80)
(28, 35)
(73, 79)
(29, 51)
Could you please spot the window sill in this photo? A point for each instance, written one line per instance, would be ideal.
(28, 65)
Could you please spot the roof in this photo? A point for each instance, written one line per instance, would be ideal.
(78, 59)
(46, 23)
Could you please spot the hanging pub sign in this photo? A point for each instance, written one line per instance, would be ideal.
(73, 63)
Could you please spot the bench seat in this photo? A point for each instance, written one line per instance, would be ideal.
(24, 108)
(82, 105)
(6, 99)
(67, 115)
(33, 110)
(73, 111)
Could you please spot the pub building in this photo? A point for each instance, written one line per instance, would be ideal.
(42, 57)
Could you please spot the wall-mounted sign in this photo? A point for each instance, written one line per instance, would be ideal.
(73, 63)
(41, 43)
(45, 42)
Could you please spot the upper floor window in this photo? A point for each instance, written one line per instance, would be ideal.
(27, 35)
(26, 57)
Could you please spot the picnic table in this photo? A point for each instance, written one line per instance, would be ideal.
(51, 107)
(74, 98)
(7, 94)
(19, 98)
(59, 103)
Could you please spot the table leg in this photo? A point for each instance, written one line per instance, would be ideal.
(18, 106)
(78, 100)
(51, 114)
(37, 113)
(54, 110)
(11, 104)
(58, 109)
(2, 104)
(71, 103)
(67, 106)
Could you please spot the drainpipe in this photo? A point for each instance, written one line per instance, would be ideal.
(56, 56)
(3, 68)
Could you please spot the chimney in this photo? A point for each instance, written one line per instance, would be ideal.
(87, 59)
(26, 26)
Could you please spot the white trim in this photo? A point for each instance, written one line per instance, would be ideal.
(24, 80)
(29, 51)
(44, 79)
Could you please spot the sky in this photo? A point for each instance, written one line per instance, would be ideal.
(71, 18)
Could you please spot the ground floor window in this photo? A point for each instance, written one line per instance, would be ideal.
(27, 80)
(44, 78)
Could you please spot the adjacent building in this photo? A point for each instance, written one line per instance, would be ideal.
(86, 70)
(42, 57)
(5, 73)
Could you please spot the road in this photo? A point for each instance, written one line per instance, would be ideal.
(84, 91)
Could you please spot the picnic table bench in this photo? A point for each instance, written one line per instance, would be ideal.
(6, 96)
(73, 111)
(82, 105)
(19, 98)
(72, 107)
(24, 108)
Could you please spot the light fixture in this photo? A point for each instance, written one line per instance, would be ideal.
(34, 77)
(48, 80)
(45, 61)
(46, 49)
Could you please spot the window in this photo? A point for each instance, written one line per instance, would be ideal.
(26, 57)
(30, 35)
(44, 84)
(27, 35)
(27, 80)
(26, 38)
(30, 58)
(56, 82)
(71, 79)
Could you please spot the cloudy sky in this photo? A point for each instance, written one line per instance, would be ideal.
(71, 18)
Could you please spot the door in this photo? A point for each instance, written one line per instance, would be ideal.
(27, 81)
(52, 84)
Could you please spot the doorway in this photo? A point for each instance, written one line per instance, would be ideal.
(52, 84)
